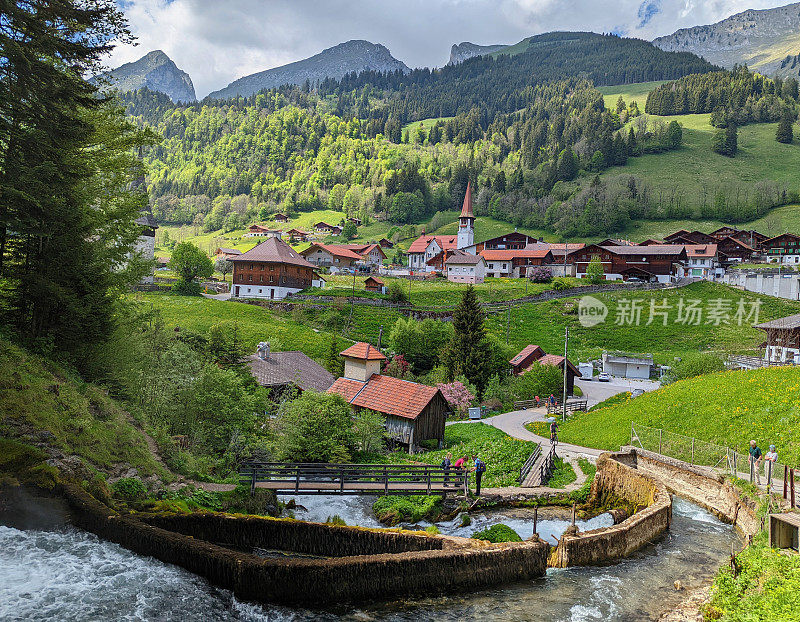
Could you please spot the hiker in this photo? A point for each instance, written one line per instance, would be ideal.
(554, 432)
(552, 399)
(461, 462)
(755, 462)
(448, 459)
(538, 401)
(480, 469)
(769, 463)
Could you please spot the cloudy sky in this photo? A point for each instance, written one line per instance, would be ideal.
(217, 41)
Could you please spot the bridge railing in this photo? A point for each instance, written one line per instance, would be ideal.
(384, 478)
(572, 406)
(526, 468)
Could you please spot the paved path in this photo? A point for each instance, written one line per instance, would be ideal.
(595, 391)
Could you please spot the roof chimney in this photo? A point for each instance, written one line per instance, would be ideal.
(262, 350)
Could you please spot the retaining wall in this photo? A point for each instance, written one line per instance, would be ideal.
(448, 564)
(616, 481)
(702, 485)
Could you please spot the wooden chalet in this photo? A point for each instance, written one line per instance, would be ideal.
(272, 270)
(414, 412)
(296, 235)
(515, 263)
(373, 284)
(324, 227)
(783, 340)
(784, 248)
(282, 218)
(384, 243)
(649, 263)
(731, 250)
(282, 370)
(227, 253)
(509, 241)
(531, 354)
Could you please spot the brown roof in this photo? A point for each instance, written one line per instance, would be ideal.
(655, 249)
(282, 368)
(791, 321)
(460, 258)
(373, 279)
(555, 359)
(364, 351)
(701, 250)
(334, 249)
(525, 353)
(274, 250)
(466, 210)
(229, 251)
(386, 394)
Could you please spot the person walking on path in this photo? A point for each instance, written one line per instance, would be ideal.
(554, 433)
(769, 464)
(552, 400)
(479, 468)
(538, 401)
(755, 462)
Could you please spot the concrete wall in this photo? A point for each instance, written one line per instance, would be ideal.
(425, 564)
(617, 483)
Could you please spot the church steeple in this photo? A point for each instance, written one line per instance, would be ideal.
(466, 222)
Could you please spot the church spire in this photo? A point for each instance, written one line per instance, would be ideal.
(466, 222)
(466, 210)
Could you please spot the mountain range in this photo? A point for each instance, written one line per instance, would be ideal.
(766, 40)
(465, 50)
(157, 72)
(335, 62)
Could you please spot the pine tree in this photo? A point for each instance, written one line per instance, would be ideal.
(785, 133)
(468, 350)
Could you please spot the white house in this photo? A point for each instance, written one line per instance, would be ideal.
(461, 267)
(701, 261)
(624, 366)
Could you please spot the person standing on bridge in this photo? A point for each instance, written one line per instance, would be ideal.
(769, 464)
(448, 460)
(480, 469)
(461, 462)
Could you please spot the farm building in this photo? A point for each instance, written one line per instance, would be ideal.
(414, 412)
(625, 366)
(373, 284)
(531, 354)
(282, 370)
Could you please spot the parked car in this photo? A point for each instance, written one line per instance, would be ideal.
(604, 377)
(637, 392)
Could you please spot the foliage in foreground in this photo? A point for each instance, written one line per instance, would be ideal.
(497, 533)
(563, 474)
(394, 509)
(767, 587)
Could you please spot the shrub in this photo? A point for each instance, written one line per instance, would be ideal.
(335, 520)
(540, 274)
(130, 489)
(559, 284)
(187, 288)
(497, 533)
(432, 529)
(411, 509)
(397, 292)
(466, 520)
(430, 444)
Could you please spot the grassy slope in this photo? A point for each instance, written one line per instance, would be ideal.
(630, 92)
(38, 395)
(728, 408)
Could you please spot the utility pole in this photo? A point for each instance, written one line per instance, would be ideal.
(508, 320)
(566, 246)
(564, 404)
(380, 336)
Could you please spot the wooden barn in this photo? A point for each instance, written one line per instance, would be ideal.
(414, 412)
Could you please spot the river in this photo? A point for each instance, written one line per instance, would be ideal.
(57, 572)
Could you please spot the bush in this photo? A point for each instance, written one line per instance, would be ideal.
(392, 510)
(430, 444)
(432, 529)
(695, 365)
(497, 533)
(560, 284)
(187, 288)
(130, 489)
(397, 293)
(335, 520)
(541, 380)
(540, 274)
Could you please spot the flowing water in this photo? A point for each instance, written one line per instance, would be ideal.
(57, 572)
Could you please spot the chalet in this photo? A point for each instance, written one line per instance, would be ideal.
(414, 412)
(784, 249)
(696, 237)
(515, 263)
(461, 267)
(783, 340)
(227, 253)
(723, 232)
(146, 242)
(287, 370)
(732, 250)
(751, 237)
(355, 221)
(272, 270)
(509, 241)
(672, 237)
(296, 235)
(652, 242)
(384, 243)
(531, 354)
(260, 231)
(331, 256)
(614, 242)
(701, 261)
(324, 227)
(371, 254)
(281, 218)
(373, 284)
(649, 263)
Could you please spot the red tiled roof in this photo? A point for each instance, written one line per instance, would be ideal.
(373, 279)
(701, 250)
(273, 250)
(555, 359)
(466, 210)
(346, 387)
(447, 242)
(335, 250)
(363, 351)
(386, 394)
(525, 353)
(500, 255)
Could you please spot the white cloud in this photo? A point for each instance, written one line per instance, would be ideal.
(217, 41)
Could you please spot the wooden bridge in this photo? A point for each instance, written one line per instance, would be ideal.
(354, 479)
(537, 468)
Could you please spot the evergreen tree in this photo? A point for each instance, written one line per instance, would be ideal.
(731, 140)
(468, 353)
(785, 133)
(620, 104)
(499, 184)
(567, 167)
(66, 167)
(333, 362)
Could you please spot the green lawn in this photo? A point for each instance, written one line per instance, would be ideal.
(630, 92)
(727, 408)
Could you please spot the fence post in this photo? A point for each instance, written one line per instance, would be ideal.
(253, 483)
(752, 470)
(791, 487)
(341, 479)
(769, 476)
(692, 450)
(785, 480)
(735, 468)
(385, 480)
(659, 440)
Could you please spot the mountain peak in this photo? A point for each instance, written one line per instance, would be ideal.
(356, 55)
(465, 50)
(157, 72)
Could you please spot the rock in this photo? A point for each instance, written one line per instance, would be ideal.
(157, 72)
(618, 514)
(465, 50)
(678, 585)
(45, 436)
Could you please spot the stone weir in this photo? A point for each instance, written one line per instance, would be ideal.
(353, 564)
(617, 484)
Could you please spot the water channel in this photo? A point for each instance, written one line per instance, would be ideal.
(50, 570)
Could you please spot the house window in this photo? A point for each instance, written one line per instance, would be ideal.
(249, 278)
